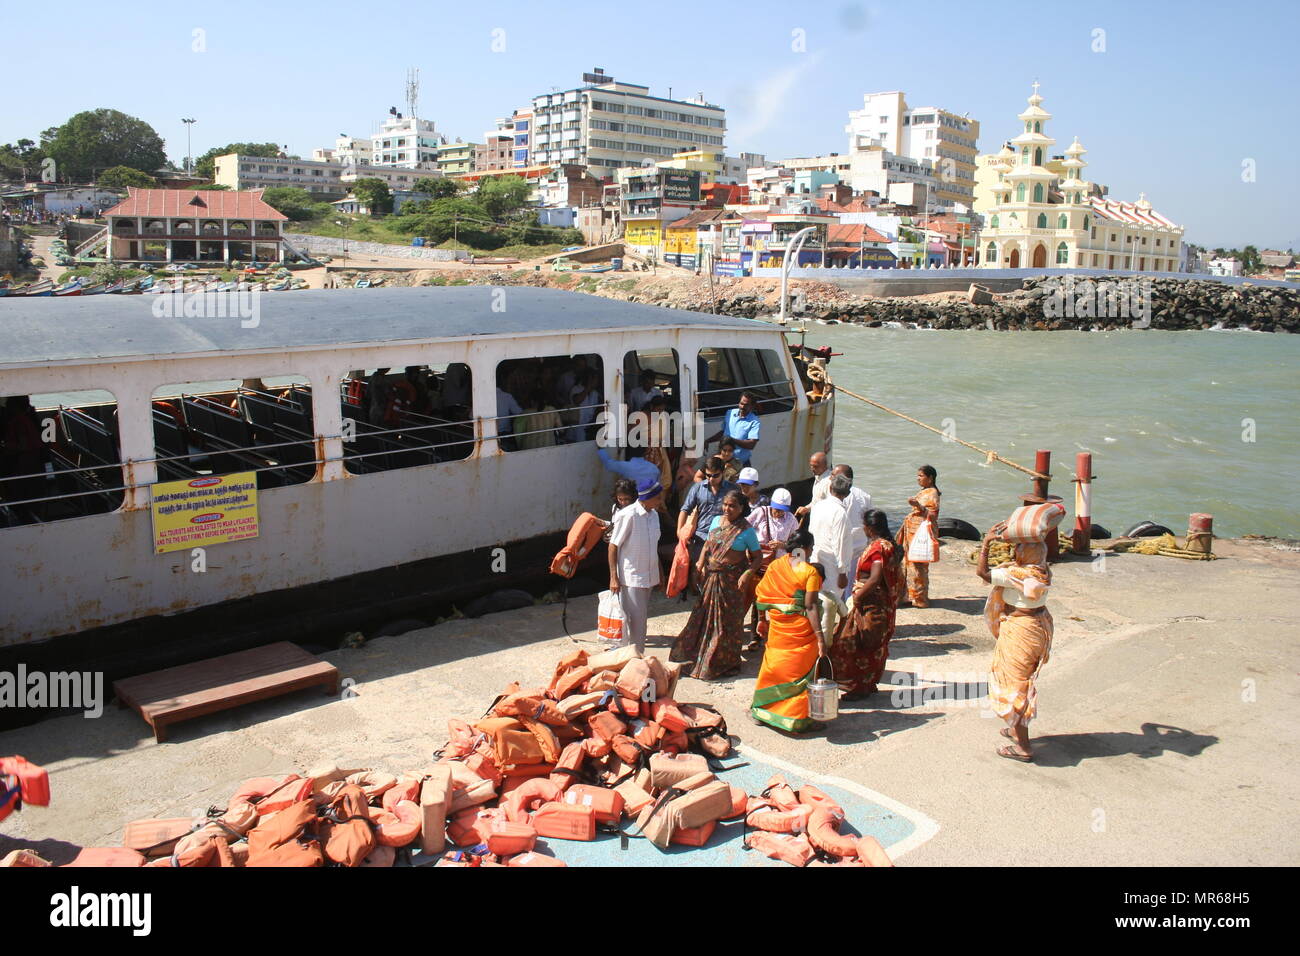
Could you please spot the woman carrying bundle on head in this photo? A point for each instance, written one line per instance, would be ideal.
(923, 520)
(715, 632)
(861, 645)
(787, 594)
(1017, 616)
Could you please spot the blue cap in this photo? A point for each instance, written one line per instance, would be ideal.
(648, 488)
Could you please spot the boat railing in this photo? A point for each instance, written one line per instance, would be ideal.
(771, 401)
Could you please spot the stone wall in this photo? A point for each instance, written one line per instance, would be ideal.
(333, 246)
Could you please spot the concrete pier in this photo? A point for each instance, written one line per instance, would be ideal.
(1165, 732)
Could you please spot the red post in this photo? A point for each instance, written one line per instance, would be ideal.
(1043, 465)
(1082, 539)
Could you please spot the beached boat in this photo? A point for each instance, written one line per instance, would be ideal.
(70, 288)
(43, 287)
(98, 288)
(353, 521)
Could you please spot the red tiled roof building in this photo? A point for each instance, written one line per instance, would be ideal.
(182, 225)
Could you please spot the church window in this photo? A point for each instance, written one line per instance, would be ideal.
(1042, 220)
(1062, 222)
(1038, 157)
(993, 223)
(1038, 127)
(1020, 192)
(1038, 192)
(1062, 255)
(991, 254)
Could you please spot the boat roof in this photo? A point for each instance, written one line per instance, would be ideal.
(74, 328)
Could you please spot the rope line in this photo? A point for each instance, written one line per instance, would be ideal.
(989, 455)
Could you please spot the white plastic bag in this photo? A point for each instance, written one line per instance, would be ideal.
(609, 617)
(924, 548)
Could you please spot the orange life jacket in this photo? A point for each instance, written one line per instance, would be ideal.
(565, 821)
(22, 782)
(585, 534)
(606, 804)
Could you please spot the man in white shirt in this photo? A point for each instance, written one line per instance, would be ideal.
(584, 400)
(634, 559)
(644, 392)
(820, 467)
(828, 523)
(857, 504)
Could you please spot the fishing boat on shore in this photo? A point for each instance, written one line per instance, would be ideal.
(356, 518)
(71, 288)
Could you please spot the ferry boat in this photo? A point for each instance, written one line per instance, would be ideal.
(365, 511)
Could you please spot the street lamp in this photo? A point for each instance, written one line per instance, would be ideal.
(345, 224)
(189, 150)
(792, 247)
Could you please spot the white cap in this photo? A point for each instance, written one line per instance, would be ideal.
(748, 476)
(781, 499)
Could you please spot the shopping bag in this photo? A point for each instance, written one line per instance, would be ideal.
(609, 617)
(924, 547)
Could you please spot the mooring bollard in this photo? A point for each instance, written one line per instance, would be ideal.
(1082, 538)
(1043, 465)
(1200, 533)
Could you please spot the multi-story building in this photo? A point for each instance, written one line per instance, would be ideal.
(406, 142)
(496, 152)
(608, 125)
(947, 140)
(175, 225)
(347, 151)
(327, 180)
(736, 168)
(705, 162)
(456, 158)
(653, 198)
(1045, 214)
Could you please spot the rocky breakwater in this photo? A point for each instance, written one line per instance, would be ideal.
(1042, 303)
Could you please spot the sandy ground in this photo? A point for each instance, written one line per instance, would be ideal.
(1165, 733)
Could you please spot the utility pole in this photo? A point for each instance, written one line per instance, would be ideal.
(189, 148)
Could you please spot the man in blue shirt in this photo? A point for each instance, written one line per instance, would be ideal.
(636, 467)
(742, 425)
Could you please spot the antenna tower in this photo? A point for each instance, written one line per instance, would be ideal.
(412, 91)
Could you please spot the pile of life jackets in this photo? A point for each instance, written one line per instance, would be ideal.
(602, 747)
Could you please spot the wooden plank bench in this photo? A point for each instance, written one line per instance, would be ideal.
(169, 696)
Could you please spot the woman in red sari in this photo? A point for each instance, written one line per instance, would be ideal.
(925, 510)
(861, 646)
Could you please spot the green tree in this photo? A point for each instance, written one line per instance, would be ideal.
(297, 204)
(210, 186)
(502, 196)
(1250, 261)
(439, 188)
(21, 160)
(97, 139)
(206, 165)
(122, 176)
(374, 193)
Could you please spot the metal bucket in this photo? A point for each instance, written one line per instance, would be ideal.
(823, 695)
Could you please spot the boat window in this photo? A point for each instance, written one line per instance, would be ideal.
(661, 370)
(723, 373)
(59, 457)
(552, 400)
(400, 418)
(263, 425)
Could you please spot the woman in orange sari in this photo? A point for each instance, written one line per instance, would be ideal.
(861, 646)
(787, 593)
(1018, 618)
(925, 508)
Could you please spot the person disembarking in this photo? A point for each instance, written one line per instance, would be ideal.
(1017, 616)
(925, 511)
(788, 595)
(634, 559)
(713, 635)
(860, 647)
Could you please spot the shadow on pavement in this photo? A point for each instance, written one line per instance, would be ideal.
(966, 605)
(1069, 750)
(904, 631)
(862, 726)
(915, 648)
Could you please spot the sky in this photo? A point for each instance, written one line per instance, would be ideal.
(1191, 102)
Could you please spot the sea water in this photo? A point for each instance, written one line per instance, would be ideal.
(1177, 422)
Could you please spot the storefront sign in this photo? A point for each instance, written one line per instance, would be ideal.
(682, 187)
